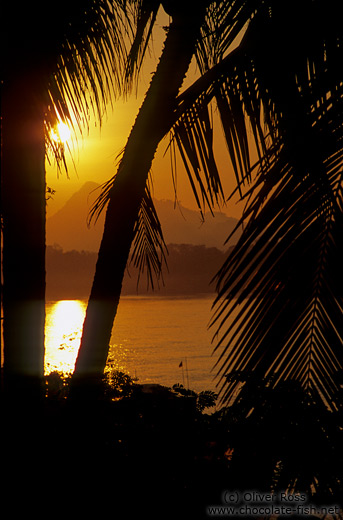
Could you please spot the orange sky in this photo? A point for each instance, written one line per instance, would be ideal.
(95, 153)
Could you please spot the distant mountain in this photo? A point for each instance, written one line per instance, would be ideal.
(68, 227)
(184, 226)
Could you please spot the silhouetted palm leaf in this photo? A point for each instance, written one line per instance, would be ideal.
(281, 291)
(223, 24)
(91, 56)
(193, 134)
(192, 131)
(75, 55)
(282, 278)
(148, 249)
(142, 15)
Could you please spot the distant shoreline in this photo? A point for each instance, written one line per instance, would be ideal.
(135, 297)
(188, 275)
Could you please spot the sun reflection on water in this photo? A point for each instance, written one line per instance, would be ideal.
(63, 331)
(64, 320)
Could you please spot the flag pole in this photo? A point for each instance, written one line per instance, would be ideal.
(183, 375)
(187, 373)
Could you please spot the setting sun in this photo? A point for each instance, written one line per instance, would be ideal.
(62, 133)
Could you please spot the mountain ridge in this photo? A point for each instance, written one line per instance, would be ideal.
(68, 226)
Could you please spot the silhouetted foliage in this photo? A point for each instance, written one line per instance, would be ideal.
(289, 442)
(117, 384)
(204, 399)
(153, 440)
(57, 384)
(279, 310)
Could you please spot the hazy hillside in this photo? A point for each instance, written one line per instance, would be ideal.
(68, 227)
(190, 271)
(184, 226)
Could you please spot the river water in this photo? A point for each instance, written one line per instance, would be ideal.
(157, 340)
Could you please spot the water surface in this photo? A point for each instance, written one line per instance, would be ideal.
(151, 338)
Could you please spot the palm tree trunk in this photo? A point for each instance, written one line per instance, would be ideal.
(153, 122)
(23, 211)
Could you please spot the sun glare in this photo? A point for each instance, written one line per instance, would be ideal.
(63, 334)
(61, 134)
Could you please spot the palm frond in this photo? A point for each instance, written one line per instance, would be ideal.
(230, 89)
(89, 63)
(142, 15)
(235, 84)
(279, 309)
(193, 135)
(99, 57)
(149, 249)
(223, 25)
(102, 200)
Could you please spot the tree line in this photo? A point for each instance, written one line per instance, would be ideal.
(190, 272)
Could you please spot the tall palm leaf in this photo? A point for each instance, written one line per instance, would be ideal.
(280, 296)
(291, 97)
(278, 314)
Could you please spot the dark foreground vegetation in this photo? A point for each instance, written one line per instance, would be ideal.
(127, 450)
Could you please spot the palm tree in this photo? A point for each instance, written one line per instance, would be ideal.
(279, 306)
(130, 216)
(279, 312)
(55, 64)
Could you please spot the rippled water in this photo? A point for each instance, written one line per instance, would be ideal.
(151, 338)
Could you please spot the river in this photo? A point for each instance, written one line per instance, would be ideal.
(157, 340)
